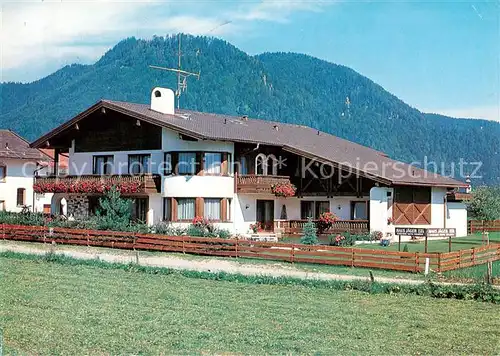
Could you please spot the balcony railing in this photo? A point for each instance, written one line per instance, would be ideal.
(98, 184)
(295, 227)
(258, 184)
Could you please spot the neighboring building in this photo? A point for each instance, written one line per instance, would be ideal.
(18, 165)
(178, 164)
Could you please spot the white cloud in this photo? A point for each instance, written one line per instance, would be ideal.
(277, 10)
(35, 33)
(483, 112)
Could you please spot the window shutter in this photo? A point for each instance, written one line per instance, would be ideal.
(223, 209)
(199, 207)
(173, 205)
(224, 164)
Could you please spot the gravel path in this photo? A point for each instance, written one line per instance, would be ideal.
(170, 261)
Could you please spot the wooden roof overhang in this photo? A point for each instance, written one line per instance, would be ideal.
(58, 138)
(55, 138)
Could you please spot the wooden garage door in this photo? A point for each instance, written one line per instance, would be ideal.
(412, 206)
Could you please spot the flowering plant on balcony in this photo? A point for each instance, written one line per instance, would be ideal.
(86, 186)
(283, 189)
(326, 221)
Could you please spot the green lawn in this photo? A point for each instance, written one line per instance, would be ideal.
(49, 308)
(458, 243)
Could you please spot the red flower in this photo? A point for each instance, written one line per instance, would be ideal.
(283, 189)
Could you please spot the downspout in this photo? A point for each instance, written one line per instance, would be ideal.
(445, 201)
(39, 168)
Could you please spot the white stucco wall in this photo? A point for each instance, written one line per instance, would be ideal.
(380, 210)
(457, 217)
(155, 210)
(245, 208)
(19, 175)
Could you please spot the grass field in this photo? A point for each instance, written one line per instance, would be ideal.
(49, 308)
(458, 243)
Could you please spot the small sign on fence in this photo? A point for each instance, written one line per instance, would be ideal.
(451, 232)
(410, 231)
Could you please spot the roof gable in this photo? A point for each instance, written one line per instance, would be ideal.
(14, 146)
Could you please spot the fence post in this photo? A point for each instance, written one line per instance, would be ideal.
(292, 258)
(439, 262)
(352, 257)
(183, 247)
(236, 247)
(473, 256)
(459, 258)
(416, 262)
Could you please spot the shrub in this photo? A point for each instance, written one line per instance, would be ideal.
(309, 236)
(376, 235)
(163, 228)
(113, 212)
(34, 219)
(405, 248)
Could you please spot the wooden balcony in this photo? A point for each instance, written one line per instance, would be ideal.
(97, 184)
(257, 184)
(295, 227)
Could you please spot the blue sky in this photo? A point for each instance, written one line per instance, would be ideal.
(440, 56)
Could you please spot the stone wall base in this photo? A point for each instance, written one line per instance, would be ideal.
(78, 206)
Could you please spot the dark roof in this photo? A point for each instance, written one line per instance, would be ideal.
(302, 140)
(14, 146)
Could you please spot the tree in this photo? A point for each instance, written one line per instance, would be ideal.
(309, 236)
(485, 205)
(113, 211)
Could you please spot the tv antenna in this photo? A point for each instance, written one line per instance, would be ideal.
(182, 75)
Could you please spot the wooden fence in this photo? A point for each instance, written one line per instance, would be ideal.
(474, 226)
(295, 227)
(329, 255)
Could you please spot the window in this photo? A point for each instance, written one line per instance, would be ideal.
(306, 209)
(139, 207)
(21, 196)
(185, 208)
(139, 164)
(228, 209)
(167, 209)
(3, 173)
(212, 209)
(2, 205)
(168, 163)
(322, 207)
(187, 163)
(272, 165)
(412, 206)
(213, 162)
(359, 210)
(46, 209)
(243, 169)
(102, 165)
(261, 164)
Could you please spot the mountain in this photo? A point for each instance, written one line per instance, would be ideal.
(287, 87)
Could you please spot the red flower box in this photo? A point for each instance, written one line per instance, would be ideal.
(283, 189)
